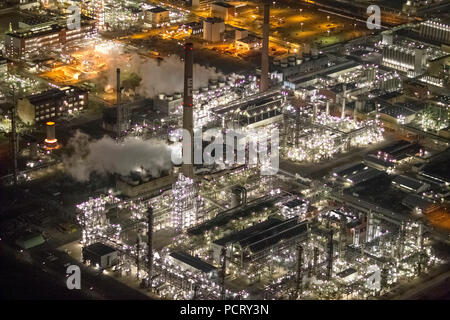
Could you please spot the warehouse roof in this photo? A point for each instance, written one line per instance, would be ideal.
(158, 10)
(100, 249)
(195, 262)
(223, 4)
(295, 203)
(346, 273)
(265, 234)
(364, 175)
(408, 183)
(346, 169)
(52, 94)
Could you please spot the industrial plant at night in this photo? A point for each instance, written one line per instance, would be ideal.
(224, 150)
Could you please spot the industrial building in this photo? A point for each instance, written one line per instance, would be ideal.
(31, 42)
(100, 255)
(256, 241)
(51, 104)
(30, 240)
(188, 262)
(335, 207)
(168, 104)
(136, 186)
(157, 16)
(213, 29)
(222, 10)
(248, 43)
(254, 111)
(410, 184)
(435, 29)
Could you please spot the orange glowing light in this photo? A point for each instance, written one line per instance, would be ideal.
(51, 141)
(50, 123)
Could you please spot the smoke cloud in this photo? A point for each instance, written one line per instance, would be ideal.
(165, 76)
(105, 156)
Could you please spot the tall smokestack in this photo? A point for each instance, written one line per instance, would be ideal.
(118, 86)
(14, 144)
(119, 109)
(187, 167)
(264, 85)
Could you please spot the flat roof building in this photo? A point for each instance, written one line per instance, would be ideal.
(410, 184)
(195, 264)
(100, 255)
(51, 104)
(254, 242)
(222, 10)
(157, 16)
(30, 42)
(213, 29)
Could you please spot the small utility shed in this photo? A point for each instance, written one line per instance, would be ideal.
(30, 240)
(100, 254)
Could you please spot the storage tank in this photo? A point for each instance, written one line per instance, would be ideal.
(50, 141)
(177, 95)
(238, 196)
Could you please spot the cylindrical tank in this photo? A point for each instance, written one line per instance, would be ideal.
(50, 141)
(169, 97)
(50, 130)
(161, 96)
(177, 95)
(238, 196)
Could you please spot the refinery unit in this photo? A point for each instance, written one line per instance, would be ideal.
(354, 207)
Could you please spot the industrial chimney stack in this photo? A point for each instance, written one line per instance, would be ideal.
(119, 109)
(264, 85)
(118, 86)
(187, 167)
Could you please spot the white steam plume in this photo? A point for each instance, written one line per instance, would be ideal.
(165, 76)
(106, 156)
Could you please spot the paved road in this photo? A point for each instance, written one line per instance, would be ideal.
(30, 275)
(435, 288)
